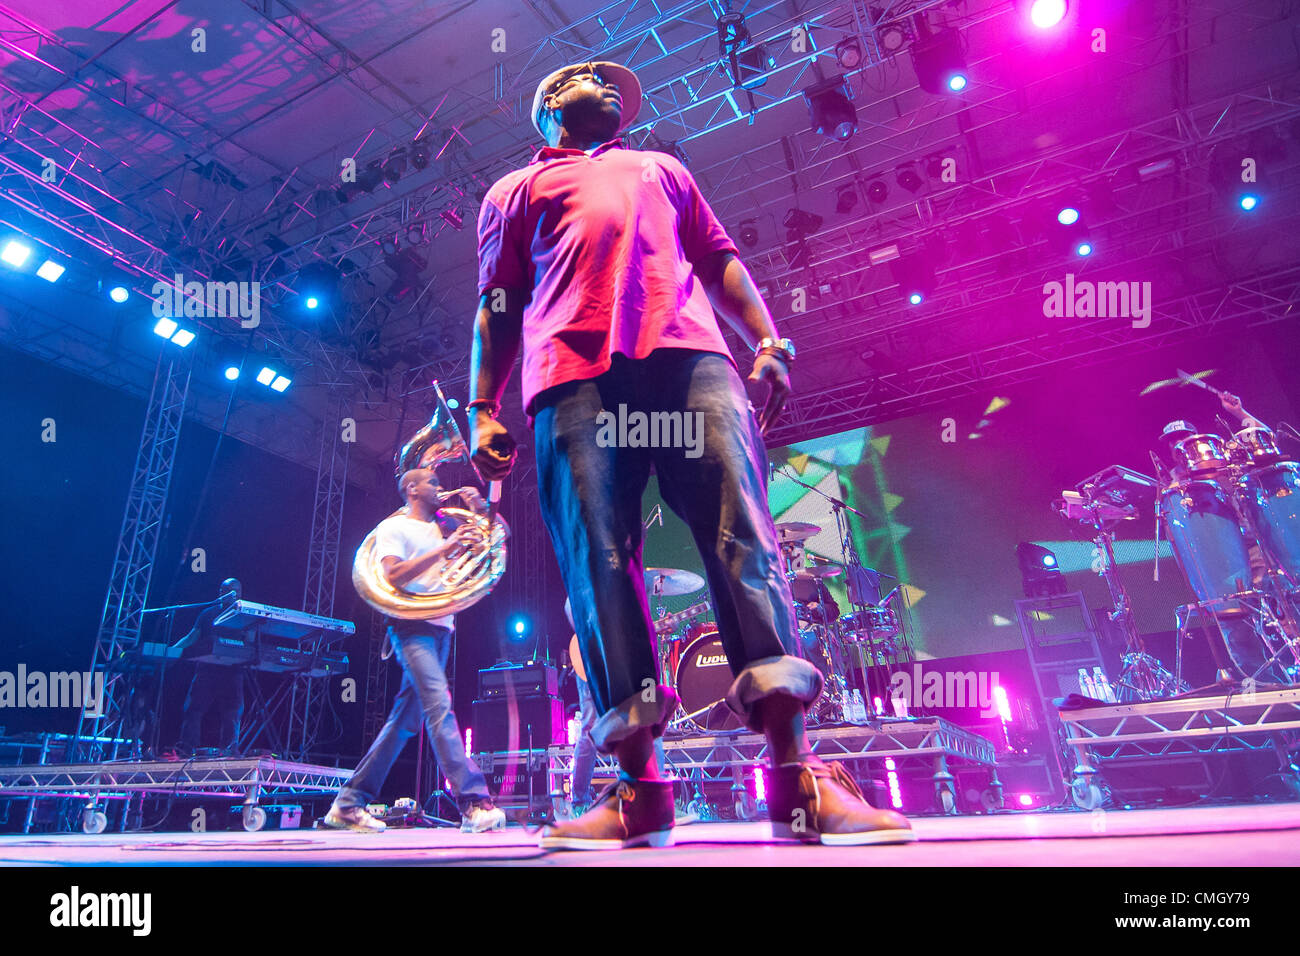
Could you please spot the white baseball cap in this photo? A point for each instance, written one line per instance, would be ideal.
(629, 88)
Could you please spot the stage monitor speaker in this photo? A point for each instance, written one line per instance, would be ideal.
(503, 723)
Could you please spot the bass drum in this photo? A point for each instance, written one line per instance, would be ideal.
(1206, 534)
(1272, 502)
(703, 679)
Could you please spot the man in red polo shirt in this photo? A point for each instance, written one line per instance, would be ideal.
(607, 265)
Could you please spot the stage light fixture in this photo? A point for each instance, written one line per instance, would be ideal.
(50, 270)
(938, 61)
(232, 373)
(280, 383)
(800, 224)
(453, 404)
(394, 165)
(16, 253)
(877, 191)
(1045, 14)
(748, 233)
(1083, 248)
(171, 330)
(846, 198)
(183, 337)
(1040, 572)
(748, 62)
(830, 110)
(420, 153)
(311, 302)
(907, 177)
(371, 176)
(1067, 216)
(266, 376)
(119, 293)
(848, 53)
(915, 277)
(1248, 202)
(165, 327)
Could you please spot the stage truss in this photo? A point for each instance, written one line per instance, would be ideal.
(915, 742)
(1217, 724)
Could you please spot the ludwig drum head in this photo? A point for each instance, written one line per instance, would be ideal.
(703, 679)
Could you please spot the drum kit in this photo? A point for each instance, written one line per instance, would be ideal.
(692, 656)
(1231, 510)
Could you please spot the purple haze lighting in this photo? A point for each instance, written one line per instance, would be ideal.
(1046, 14)
(1068, 216)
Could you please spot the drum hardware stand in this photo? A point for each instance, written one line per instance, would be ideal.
(1141, 676)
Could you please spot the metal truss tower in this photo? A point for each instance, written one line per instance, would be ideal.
(133, 561)
(322, 568)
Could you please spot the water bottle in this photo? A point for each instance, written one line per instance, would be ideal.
(1085, 684)
(1106, 692)
(859, 708)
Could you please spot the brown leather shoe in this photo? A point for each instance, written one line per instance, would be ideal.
(820, 803)
(627, 813)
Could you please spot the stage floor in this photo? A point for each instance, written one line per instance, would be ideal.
(1265, 835)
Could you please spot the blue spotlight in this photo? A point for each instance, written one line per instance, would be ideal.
(957, 82)
(1248, 202)
(119, 293)
(15, 253)
(916, 298)
(453, 404)
(1049, 560)
(1068, 216)
(312, 302)
(232, 372)
(518, 625)
(1084, 248)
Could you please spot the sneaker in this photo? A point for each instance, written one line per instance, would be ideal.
(820, 803)
(482, 815)
(627, 813)
(354, 818)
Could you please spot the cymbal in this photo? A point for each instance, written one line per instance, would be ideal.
(795, 531)
(820, 571)
(672, 582)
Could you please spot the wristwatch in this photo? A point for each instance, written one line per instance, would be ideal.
(781, 348)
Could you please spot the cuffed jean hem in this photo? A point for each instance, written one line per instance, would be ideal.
(633, 714)
(773, 675)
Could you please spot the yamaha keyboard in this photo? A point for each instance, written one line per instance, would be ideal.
(266, 638)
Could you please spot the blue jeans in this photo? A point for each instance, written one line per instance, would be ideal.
(421, 649)
(584, 751)
(590, 491)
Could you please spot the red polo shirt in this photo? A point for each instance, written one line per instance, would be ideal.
(604, 243)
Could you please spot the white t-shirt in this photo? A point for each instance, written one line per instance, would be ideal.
(403, 537)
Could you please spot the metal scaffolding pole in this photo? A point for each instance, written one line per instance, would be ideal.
(97, 737)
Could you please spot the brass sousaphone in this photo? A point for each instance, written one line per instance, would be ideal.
(463, 579)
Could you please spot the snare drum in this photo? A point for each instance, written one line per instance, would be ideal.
(874, 623)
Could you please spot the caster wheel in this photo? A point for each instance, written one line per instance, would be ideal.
(93, 821)
(1086, 796)
(992, 801)
(254, 818)
(948, 802)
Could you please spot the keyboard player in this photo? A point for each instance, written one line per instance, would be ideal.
(214, 685)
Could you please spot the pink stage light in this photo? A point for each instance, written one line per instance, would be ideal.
(760, 785)
(880, 706)
(1046, 14)
(895, 792)
(1003, 705)
(1025, 800)
(469, 740)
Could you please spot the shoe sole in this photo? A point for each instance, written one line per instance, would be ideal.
(783, 831)
(351, 828)
(655, 840)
